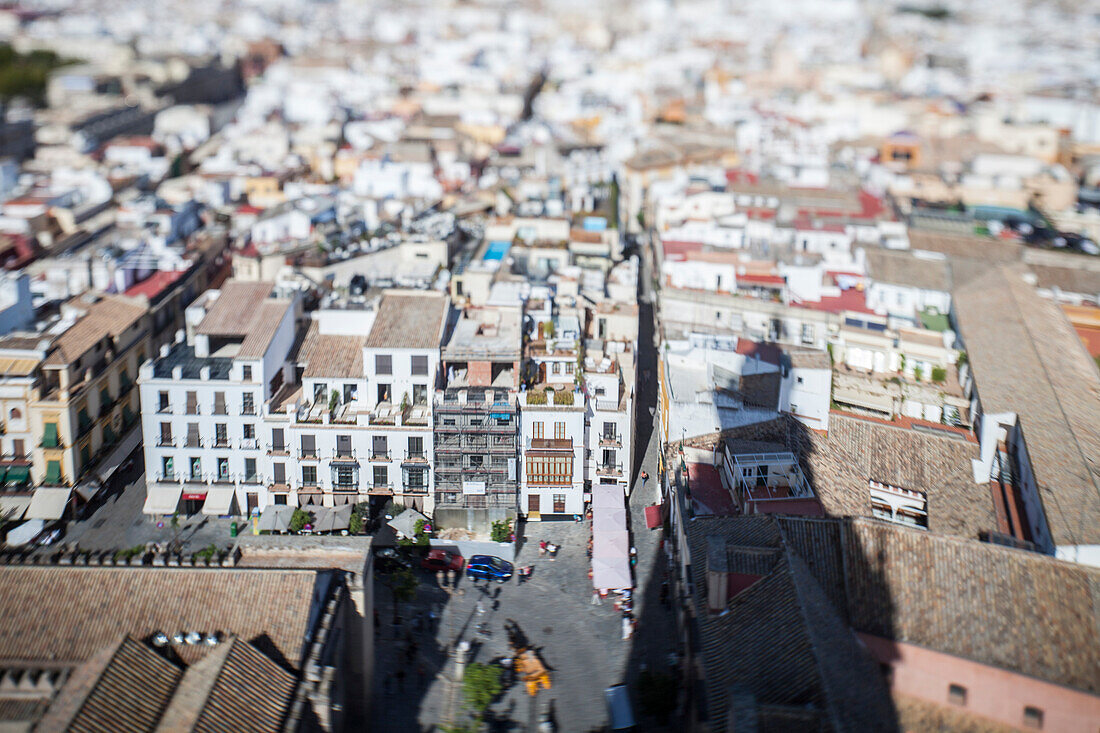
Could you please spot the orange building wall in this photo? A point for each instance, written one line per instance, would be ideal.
(991, 692)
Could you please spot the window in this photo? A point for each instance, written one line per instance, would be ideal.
(249, 431)
(415, 481)
(15, 414)
(476, 461)
(1033, 718)
(381, 476)
(309, 475)
(416, 447)
(956, 694)
(192, 403)
(383, 393)
(380, 447)
(167, 472)
(279, 499)
(559, 430)
(246, 372)
(193, 439)
(248, 405)
(277, 444)
(533, 503)
(278, 473)
(17, 448)
(344, 476)
(538, 428)
(549, 469)
(383, 364)
(350, 392)
(609, 431)
(162, 405)
(569, 367)
(420, 394)
(221, 435)
(557, 367)
(196, 468)
(343, 446)
(419, 366)
(807, 333)
(219, 404)
(223, 469)
(309, 446)
(320, 393)
(559, 503)
(165, 433)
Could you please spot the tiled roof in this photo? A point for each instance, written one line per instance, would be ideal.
(761, 390)
(250, 686)
(123, 688)
(1008, 608)
(809, 359)
(324, 355)
(408, 320)
(902, 268)
(1027, 360)
(780, 640)
(858, 450)
(957, 246)
(1067, 279)
(265, 321)
(110, 316)
(69, 627)
(232, 313)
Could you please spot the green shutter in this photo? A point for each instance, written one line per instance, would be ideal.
(18, 475)
(85, 456)
(109, 437)
(123, 381)
(53, 472)
(127, 416)
(49, 440)
(83, 420)
(104, 398)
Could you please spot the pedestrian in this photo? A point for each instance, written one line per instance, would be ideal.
(596, 598)
(633, 556)
(645, 477)
(542, 548)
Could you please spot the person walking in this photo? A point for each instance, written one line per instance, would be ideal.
(645, 477)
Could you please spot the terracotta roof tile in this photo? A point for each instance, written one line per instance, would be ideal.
(408, 320)
(237, 304)
(110, 316)
(325, 355)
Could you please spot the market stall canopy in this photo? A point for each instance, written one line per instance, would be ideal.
(606, 496)
(12, 508)
(405, 523)
(611, 574)
(333, 519)
(163, 498)
(276, 518)
(48, 503)
(25, 532)
(609, 519)
(613, 544)
(219, 500)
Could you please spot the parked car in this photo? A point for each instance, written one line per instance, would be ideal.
(388, 560)
(442, 560)
(488, 567)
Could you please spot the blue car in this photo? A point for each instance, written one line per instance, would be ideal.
(488, 567)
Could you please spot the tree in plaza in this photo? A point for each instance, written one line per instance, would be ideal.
(481, 684)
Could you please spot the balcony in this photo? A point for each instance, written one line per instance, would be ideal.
(345, 488)
(307, 455)
(219, 409)
(562, 444)
(380, 489)
(344, 456)
(380, 455)
(251, 478)
(248, 409)
(195, 478)
(221, 442)
(192, 409)
(417, 456)
(609, 469)
(611, 441)
(164, 410)
(166, 441)
(278, 450)
(249, 444)
(193, 442)
(168, 477)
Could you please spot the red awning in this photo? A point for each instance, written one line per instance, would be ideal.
(195, 497)
(653, 518)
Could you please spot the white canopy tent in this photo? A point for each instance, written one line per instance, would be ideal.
(276, 518)
(12, 508)
(25, 532)
(48, 503)
(162, 498)
(219, 500)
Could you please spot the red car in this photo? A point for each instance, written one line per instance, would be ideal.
(442, 560)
